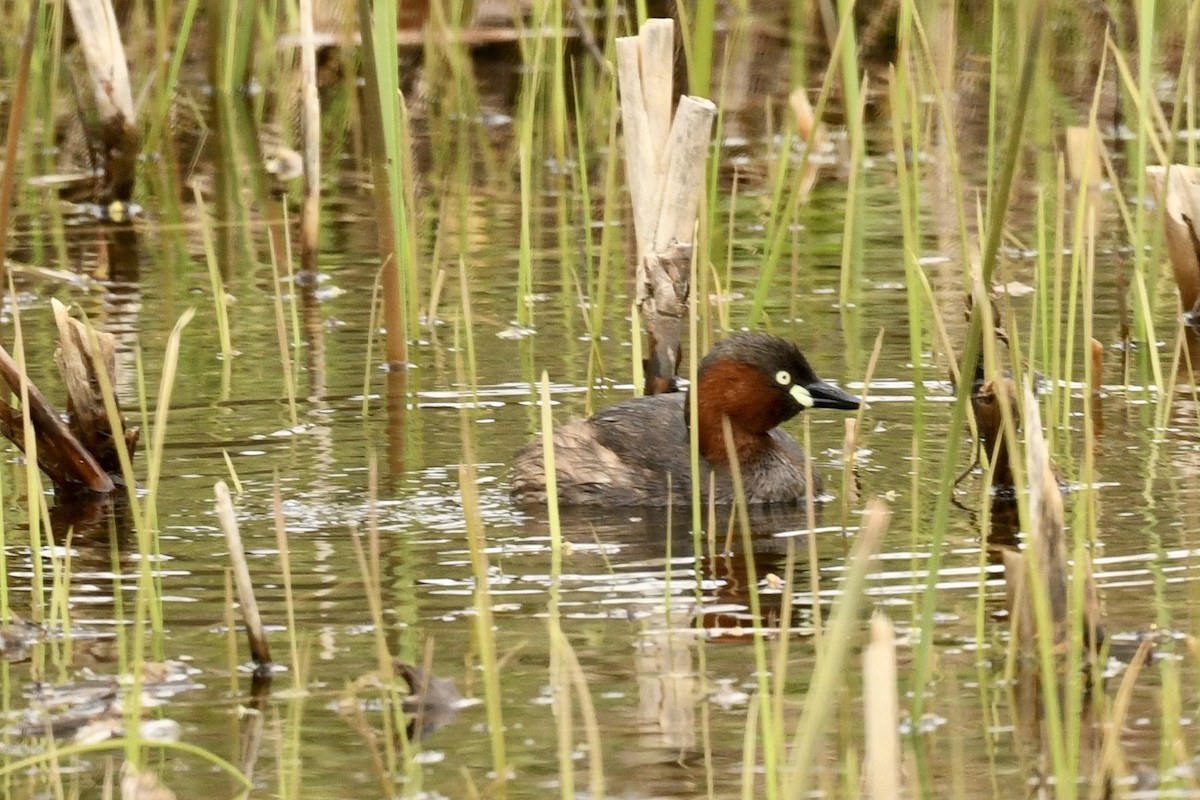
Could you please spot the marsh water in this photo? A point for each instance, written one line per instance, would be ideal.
(670, 682)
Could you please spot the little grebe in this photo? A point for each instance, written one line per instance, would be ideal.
(635, 453)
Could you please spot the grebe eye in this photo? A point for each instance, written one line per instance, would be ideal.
(783, 377)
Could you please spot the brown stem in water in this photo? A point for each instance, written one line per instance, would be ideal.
(393, 315)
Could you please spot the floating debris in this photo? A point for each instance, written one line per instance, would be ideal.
(726, 696)
(515, 331)
(282, 163)
(16, 639)
(1013, 289)
(93, 709)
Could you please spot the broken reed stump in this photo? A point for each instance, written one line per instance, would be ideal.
(881, 711)
(664, 167)
(260, 652)
(1177, 189)
(79, 454)
(79, 352)
(117, 140)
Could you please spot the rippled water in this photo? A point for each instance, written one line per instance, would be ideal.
(665, 690)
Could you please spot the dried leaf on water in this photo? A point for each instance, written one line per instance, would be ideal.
(1013, 289)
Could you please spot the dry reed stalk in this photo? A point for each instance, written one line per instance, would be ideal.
(1046, 518)
(664, 166)
(810, 130)
(1017, 600)
(811, 730)
(881, 710)
(644, 54)
(100, 40)
(1110, 765)
(1049, 550)
(87, 416)
(1178, 190)
(1084, 160)
(259, 651)
(310, 212)
(1085, 166)
(285, 564)
(849, 460)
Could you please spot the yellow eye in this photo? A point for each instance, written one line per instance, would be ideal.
(783, 377)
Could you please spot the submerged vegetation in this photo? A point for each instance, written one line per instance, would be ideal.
(977, 215)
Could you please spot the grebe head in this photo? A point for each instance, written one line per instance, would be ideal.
(758, 381)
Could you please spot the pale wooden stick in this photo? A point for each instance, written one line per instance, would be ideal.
(1016, 599)
(849, 457)
(656, 47)
(1096, 353)
(100, 41)
(640, 163)
(663, 273)
(686, 157)
(1046, 537)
